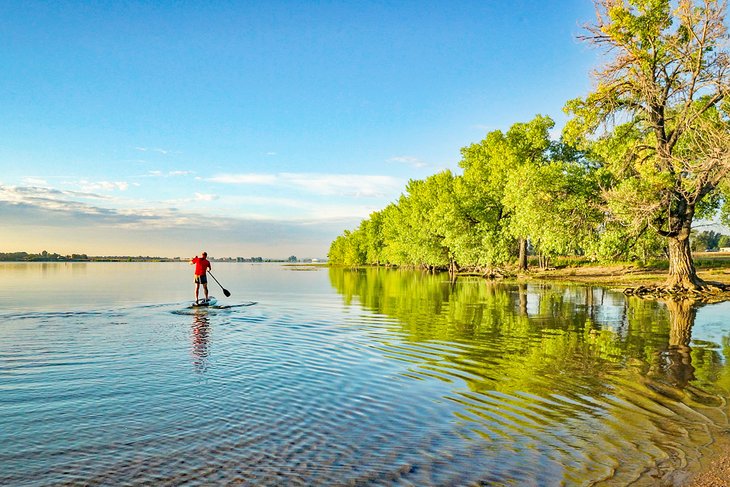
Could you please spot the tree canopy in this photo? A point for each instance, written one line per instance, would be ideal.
(658, 118)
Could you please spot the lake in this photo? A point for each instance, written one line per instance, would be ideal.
(317, 376)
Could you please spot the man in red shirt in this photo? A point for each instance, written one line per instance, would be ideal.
(201, 274)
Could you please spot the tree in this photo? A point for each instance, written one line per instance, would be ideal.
(487, 169)
(423, 210)
(660, 102)
(553, 206)
(724, 241)
(707, 240)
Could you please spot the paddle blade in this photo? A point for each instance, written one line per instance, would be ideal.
(226, 292)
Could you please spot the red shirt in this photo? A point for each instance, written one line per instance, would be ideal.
(201, 265)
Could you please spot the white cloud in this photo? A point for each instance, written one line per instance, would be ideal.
(47, 199)
(356, 185)
(205, 197)
(343, 184)
(157, 173)
(255, 179)
(296, 209)
(157, 149)
(31, 181)
(103, 185)
(19, 194)
(408, 160)
(55, 207)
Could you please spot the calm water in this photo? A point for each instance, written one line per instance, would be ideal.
(331, 377)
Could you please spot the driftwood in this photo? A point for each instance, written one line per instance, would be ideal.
(486, 273)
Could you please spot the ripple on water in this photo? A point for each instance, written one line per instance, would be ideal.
(311, 395)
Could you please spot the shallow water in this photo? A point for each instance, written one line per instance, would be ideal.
(328, 377)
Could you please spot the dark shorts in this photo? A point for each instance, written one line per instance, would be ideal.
(201, 279)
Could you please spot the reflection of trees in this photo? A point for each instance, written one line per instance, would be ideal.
(534, 337)
(675, 362)
(515, 336)
(674, 368)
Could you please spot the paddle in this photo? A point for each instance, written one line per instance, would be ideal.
(225, 291)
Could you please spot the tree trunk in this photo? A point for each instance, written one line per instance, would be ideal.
(522, 263)
(453, 269)
(682, 273)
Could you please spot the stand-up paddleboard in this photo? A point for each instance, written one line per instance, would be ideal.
(204, 303)
(194, 309)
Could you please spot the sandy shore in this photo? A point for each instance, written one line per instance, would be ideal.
(620, 276)
(714, 470)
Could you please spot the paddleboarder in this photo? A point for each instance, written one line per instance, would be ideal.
(202, 265)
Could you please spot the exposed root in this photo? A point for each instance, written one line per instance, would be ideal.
(707, 291)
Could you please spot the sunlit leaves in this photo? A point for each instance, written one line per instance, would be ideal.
(656, 118)
(554, 205)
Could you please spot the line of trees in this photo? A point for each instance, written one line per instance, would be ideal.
(44, 256)
(643, 155)
(517, 189)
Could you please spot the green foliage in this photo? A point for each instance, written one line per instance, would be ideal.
(707, 240)
(553, 205)
(724, 241)
(617, 242)
(515, 185)
(657, 119)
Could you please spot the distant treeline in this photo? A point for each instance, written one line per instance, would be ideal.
(54, 257)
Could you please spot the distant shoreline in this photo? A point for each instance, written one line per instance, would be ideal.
(54, 257)
(151, 259)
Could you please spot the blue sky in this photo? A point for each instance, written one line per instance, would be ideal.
(256, 128)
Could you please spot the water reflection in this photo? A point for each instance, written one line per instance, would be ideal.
(533, 326)
(672, 371)
(200, 337)
(524, 358)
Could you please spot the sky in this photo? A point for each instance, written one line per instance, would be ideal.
(256, 128)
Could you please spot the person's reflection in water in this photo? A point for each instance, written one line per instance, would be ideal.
(200, 335)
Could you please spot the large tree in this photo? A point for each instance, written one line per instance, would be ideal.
(553, 206)
(659, 114)
(488, 166)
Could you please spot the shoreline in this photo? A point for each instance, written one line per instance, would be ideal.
(714, 467)
(619, 276)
